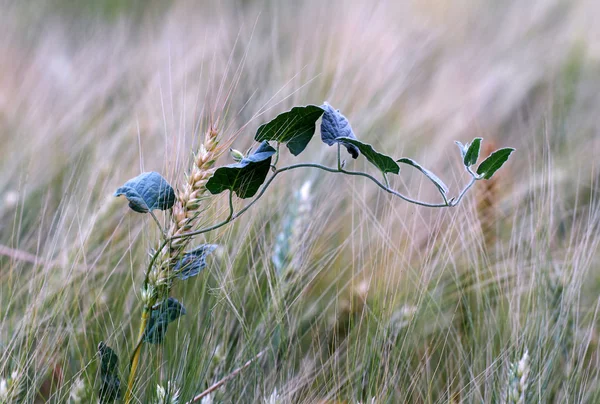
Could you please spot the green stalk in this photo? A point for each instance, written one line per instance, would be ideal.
(136, 355)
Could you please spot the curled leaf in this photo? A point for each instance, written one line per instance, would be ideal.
(432, 177)
(243, 178)
(490, 165)
(462, 148)
(148, 191)
(168, 311)
(110, 384)
(335, 126)
(193, 261)
(295, 128)
(383, 162)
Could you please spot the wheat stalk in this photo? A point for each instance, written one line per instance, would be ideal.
(184, 215)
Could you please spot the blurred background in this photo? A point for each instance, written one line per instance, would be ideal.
(381, 301)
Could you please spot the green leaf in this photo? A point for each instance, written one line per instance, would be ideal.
(193, 261)
(384, 163)
(168, 311)
(148, 191)
(334, 126)
(472, 153)
(434, 178)
(243, 178)
(490, 165)
(110, 384)
(295, 128)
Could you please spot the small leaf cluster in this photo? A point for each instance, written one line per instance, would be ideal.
(489, 166)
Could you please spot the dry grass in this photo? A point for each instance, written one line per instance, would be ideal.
(387, 300)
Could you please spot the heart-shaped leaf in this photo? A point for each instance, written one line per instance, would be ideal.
(243, 178)
(472, 153)
(490, 165)
(334, 125)
(148, 191)
(110, 384)
(295, 128)
(384, 163)
(193, 261)
(168, 311)
(434, 178)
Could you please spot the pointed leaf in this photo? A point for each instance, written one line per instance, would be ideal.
(334, 126)
(472, 153)
(434, 178)
(384, 163)
(490, 165)
(168, 311)
(243, 178)
(148, 191)
(295, 128)
(110, 385)
(193, 261)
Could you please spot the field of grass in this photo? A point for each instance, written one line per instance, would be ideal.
(352, 295)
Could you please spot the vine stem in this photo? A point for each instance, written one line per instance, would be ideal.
(162, 230)
(446, 203)
(225, 379)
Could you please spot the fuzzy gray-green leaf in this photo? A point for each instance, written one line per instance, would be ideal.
(193, 261)
(295, 128)
(472, 153)
(148, 191)
(383, 162)
(434, 178)
(243, 178)
(490, 165)
(334, 126)
(462, 148)
(168, 311)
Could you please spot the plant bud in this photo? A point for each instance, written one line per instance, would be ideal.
(236, 155)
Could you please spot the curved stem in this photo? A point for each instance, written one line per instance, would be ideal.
(230, 217)
(276, 156)
(230, 206)
(153, 260)
(162, 230)
(385, 179)
(324, 168)
(463, 192)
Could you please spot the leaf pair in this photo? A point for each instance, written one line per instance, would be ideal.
(296, 127)
(110, 384)
(167, 312)
(489, 166)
